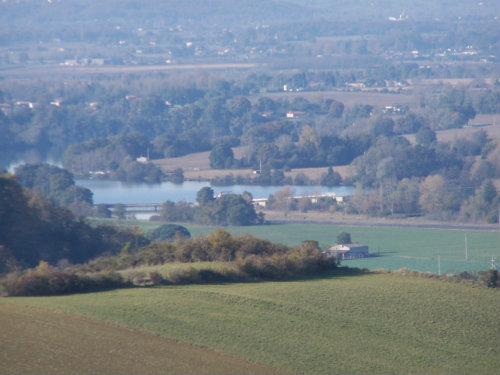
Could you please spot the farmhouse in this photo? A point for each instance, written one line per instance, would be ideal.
(348, 251)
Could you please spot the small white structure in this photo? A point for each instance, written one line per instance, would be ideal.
(261, 202)
(295, 114)
(348, 251)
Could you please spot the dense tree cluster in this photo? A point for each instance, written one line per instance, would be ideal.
(114, 157)
(437, 179)
(107, 126)
(227, 209)
(55, 185)
(34, 230)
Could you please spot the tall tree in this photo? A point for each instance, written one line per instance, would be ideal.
(221, 157)
(344, 238)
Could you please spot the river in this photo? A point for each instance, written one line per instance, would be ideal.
(112, 192)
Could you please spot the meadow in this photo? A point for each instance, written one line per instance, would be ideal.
(378, 323)
(39, 341)
(413, 248)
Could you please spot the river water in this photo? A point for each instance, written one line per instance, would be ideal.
(113, 192)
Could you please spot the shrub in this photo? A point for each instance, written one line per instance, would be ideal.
(168, 232)
(156, 278)
(36, 283)
(183, 276)
(490, 278)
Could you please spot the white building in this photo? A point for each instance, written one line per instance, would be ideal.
(348, 251)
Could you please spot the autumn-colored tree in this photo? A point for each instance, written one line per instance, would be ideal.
(281, 199)
(436, 198)
(433, 193)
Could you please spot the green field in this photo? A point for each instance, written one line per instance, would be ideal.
(38, 341)
(411, 248)
(372, 324)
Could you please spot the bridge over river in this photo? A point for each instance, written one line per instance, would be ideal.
(148, 208)
(138, 208)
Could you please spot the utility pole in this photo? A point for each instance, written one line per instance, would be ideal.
(439, 265)
(493, 263)
(466, 253)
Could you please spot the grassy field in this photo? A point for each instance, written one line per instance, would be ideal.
(39, 341)
(412, 248)
(373, 324)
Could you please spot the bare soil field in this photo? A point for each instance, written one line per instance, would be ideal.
(313, 174)
(76, 70)
(192, 162)
(450, 135)
(451, 81)
(197, 167)
(348, 98)
(195, 162)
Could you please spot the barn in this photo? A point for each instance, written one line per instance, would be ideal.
(348, 251)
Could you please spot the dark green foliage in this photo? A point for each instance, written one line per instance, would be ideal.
(327, 150)
(221, 157)
(456, 103)
(425, 136)
(168, 232)
(360, 111)
(344, 238)
(302, 261)
(331, 178)
(489, 102)
(177, 212)
(396, 158)
(114, 156)
(228, 209)
(205, 195)
(176, 176)
(33, 230)
(336, 109)
(491, 278)
(409, 124)
(52, 183)
(488, 192)
(383, 126)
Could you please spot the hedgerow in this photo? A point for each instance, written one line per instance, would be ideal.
(247, 258)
